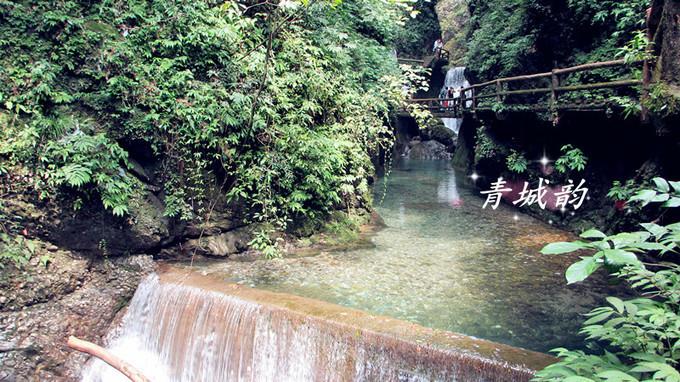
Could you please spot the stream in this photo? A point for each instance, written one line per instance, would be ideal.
(445, 291)
(442, 262)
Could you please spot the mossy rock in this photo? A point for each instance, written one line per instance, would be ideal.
(453, 20)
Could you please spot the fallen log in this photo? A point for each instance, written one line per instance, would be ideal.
(97, 351)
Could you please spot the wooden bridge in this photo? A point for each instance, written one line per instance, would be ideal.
(538, 92)
(427, 61)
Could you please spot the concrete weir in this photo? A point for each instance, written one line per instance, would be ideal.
(182, 326)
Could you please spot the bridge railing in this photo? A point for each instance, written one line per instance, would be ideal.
(499, 89)
(439, 54)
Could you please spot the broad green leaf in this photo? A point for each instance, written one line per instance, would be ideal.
(651, 246)
(644, 196)
(579, 271)
(672, 203)
(675, 185)
(598, 318)
(655, 229)
(661, 184)
(620, 257)
(624, 239)
(563, 247)
(616, 375)
(647, 357)
(662, 370)
(577, 379)
(593, 234)
(661, 198)
(617, 303)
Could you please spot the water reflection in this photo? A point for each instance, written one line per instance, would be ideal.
(446, 263)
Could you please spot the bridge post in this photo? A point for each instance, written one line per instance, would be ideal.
(499, 90)
(474, 100)
(554, 85)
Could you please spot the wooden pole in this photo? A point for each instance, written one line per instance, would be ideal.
(554, 84)
(97, 351)
(474, 100)
(499, 90)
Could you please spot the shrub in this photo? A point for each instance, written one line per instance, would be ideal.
(636, 339)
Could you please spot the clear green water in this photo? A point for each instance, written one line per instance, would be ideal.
(443, 262)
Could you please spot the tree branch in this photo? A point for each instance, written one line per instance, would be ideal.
(97, 351)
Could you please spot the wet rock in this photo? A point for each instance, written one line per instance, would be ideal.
(75, 297)
(220, 221)
(221, 245)
(137, 170)
(427, 150)
(92, 229)
(440, 133)
(96, 230)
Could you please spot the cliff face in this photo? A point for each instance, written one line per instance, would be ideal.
(665, 23)
(453, 19)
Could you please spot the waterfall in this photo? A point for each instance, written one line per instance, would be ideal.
(455, 78)
(182, 328)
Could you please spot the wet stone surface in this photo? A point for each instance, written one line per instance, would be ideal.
(443, 262)
(41, 307)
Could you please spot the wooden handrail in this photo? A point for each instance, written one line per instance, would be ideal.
(470, 96)
(557, 71)
(409, 59)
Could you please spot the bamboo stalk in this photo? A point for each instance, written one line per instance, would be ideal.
(97, 351)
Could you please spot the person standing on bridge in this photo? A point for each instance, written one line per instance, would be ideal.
(437, 47)
(442, 96)
(450, 94)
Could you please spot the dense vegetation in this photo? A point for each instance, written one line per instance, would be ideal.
(420, 32)
(282, 106)
(524, 36)
(636, 339)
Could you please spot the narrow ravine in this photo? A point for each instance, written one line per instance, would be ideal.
(442, 262)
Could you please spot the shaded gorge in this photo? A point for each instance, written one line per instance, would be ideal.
(442, 262)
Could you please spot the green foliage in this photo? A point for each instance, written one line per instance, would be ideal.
(78, 161)
(502, 37)
(661, 100)
(286, 102)
(620, 191)
(637, 339)
(527, 36)
(420, 32)
(485, 147)
(15, 250)
(517, 162)
(263, 242)
(572, 159)
(665, 192)
(619, 17)
(637, 49)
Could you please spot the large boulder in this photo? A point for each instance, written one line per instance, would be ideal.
(427, 150)
(95, 230)
(221, 245)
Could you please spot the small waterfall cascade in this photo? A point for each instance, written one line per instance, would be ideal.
(455, 78)
(186, 330)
